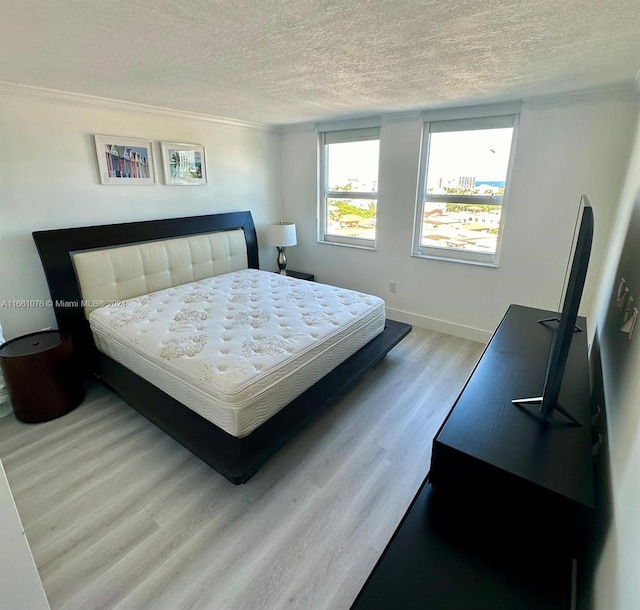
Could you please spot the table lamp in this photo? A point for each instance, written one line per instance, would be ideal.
(281, 235)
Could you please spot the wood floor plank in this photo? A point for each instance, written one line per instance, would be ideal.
(80, 570)
(18, 435)
(60, 533)
(120, 516)
(331, 557)
(111, 452)
(279, 557)
(219, 544)
(38, 441)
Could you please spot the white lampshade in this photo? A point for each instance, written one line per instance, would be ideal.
(281, 234)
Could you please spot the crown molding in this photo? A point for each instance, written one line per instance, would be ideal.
(626, 92)
(354, 122)
(410, 116)
(298, 127)
(467, 112)
(103, 103)
(344, 124)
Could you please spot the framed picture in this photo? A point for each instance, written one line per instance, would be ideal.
(183, 164)
(125, 160)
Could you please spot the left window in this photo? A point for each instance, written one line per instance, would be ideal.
(348, 193)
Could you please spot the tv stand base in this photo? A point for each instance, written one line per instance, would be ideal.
(538, 400)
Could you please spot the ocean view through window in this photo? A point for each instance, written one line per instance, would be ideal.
(463, 179)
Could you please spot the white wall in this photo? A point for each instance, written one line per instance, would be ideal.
(49, 179)
(561, 153)
(20, 584)
(616, 583)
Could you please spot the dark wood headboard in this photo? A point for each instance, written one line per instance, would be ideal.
(55, 248)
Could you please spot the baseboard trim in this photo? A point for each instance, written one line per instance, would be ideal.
(441, 326)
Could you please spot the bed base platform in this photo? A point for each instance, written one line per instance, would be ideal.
(237, 459)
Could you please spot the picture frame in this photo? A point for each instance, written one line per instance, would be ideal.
(183, 164)
(125, 160)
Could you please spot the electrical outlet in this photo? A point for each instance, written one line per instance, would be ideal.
(628, 309)
(625, 303)
(630, 323)
(621, 301)
(392, 286)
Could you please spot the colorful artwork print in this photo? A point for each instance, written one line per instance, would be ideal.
(127, 161)
(124, 160)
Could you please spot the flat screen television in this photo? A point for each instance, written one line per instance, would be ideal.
(564, 326)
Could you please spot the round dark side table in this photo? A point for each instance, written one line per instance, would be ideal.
(41, 376)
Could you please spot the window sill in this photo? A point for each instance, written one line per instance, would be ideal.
(464, 261)
(357, 247)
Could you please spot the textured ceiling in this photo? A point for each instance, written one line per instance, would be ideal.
(289, 61)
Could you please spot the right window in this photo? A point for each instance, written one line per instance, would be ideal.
(464, 175)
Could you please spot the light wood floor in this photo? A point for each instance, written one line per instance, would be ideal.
(118, 515)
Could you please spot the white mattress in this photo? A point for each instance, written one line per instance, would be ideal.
(238, 347)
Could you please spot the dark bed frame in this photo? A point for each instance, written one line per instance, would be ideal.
(235, 458)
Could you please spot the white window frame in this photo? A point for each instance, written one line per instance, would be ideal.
(324, 194)
(462, 124)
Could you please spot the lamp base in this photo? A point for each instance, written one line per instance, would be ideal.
(282, 260)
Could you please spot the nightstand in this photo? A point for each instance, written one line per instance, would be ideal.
(41, 376)
(299, 275)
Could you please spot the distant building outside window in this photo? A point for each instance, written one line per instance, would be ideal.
(461, 195)
(348, 193)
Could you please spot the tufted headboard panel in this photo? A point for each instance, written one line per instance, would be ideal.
(119, 273)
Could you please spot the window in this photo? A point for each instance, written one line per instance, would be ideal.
(349, 186)
(463, 179)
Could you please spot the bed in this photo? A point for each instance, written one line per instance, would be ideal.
(176, 317)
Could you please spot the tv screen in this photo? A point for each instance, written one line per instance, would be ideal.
(565, 325)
